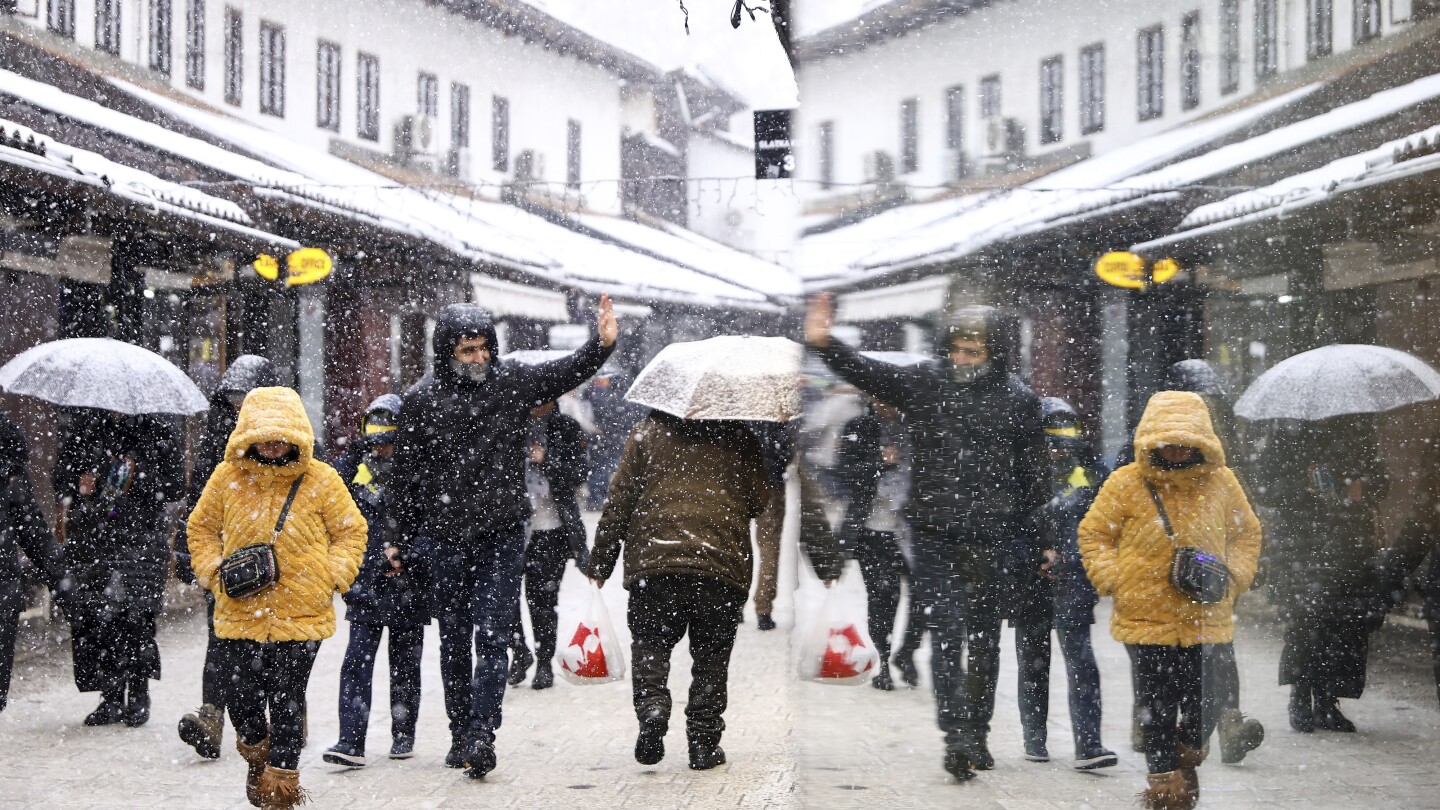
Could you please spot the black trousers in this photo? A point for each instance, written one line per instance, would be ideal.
(1327, 653)
(268, 696)
(884, 570)
(545, 558)
(12, 599)
(1177, 707)
(357, 676)
(662, 609)
(965, 641)
(219, 673)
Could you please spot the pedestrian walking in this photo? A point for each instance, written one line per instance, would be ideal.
(873, 463)
(270, 493)
(390, 595)
(115, 475)
(204, 728)
(1414, 562)
(457, 497)
(680, 505)
(614, 419)
(1147, 519)
(777, 447)
(22, 530)
(1058, 597)
(555, 467)
(978, 480)
(1326, 481)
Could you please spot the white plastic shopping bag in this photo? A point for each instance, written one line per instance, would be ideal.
(837, 649)
(592, 653)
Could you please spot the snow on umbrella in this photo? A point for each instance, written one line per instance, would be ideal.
(102, 373)
(729, 377)
(1338, 380)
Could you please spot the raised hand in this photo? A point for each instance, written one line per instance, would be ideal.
(818, 318)
(605, 323)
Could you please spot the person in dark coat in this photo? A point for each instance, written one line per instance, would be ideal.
(457, 497)
(1414, 562)
(1325, 481)
(777, 443)
(873, 463)
(1059, 597)
(554, 470)
(203, 728)
(22, 530)
(980, 477)
(614, 418)
(390, 594)
(117, 473)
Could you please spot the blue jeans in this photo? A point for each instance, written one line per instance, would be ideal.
(358, 672)
(477, 584)
(1032, 651)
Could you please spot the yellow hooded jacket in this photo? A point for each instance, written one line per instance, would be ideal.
(319, 550)
(1123, 542)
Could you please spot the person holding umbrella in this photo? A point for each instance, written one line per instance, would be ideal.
(22, 529)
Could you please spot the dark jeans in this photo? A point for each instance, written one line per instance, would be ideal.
(12, 599)
(1032, 652)
(883, 568)
(219, 673)
(965, 618)
(272, 679)
(1177, 706)
(358, 672)
(545, 558)
(662, 609)
(478, 591)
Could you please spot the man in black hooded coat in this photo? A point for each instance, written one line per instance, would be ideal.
(457, 498)
(979, 477)
(22, 529)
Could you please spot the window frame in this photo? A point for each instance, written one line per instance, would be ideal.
(234, 56)
(272, 68)
(500, 133)
(427, 94)
(1190, 58)
(459, 115)
(573, 146)
(909, 162)
(367, 96)
(1319, 28)
(109, 35)
(1150, 73)
(1267, 38)
(329, 75)
(162, 35)
(988, 98)
(1230, 67)
(1092, 88)
(1052, 99)
(195, 44)
(1369, 20)
(60, 18)
(825, 133)
(955, 117)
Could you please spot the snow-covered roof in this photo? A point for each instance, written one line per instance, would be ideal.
(829, 257)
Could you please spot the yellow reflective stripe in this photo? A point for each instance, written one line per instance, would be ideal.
(1079, 479)
(363, 476)
(1072, 432)
(370, 430)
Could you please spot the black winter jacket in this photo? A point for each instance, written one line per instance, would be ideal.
(859, 467)
(400, 600)
(22, 526)
(565, 467)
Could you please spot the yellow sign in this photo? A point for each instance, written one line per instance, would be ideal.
(1124, 269)
(307, 266)
(267, 267)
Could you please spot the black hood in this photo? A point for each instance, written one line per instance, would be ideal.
(1195, 376)
(986, 323)
(246, 373)
(457, 321)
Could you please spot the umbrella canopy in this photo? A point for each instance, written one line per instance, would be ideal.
(730, 377)
(1338, 380)
(102, 373)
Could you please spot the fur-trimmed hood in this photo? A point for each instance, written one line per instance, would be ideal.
(1177, 418)
(268, 415)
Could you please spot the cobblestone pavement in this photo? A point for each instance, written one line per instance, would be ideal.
(789, 744)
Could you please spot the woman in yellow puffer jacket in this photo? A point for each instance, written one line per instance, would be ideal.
(1128, 554)
(273, 635)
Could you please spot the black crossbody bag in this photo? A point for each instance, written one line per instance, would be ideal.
(254, 568)
(1199, 575)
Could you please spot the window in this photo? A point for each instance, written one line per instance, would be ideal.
(367, 97)
(107, 26)
(909, 135)
(427, 95)
(195, 44)
(459, 116)
(827, 155)
(1319, 28)
(272, 69)
(234, 55)
(1190, 61)
(989, 97)
(1150, 73)
(499, 134)
(1266, 42)
(160, 36)
(572, 154)
(1052, 100)
(1367, 20)
(1092, 88)
(61, 18)
(1229, 46)
(955, 118)
(327, 86)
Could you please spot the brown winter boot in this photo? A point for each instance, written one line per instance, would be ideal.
(1166, 791)
(1239, 735)
(256, 756)
(280, 789)
(202, 730)
(1189, 759)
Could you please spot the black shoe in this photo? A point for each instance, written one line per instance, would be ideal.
(704, 758)
(764, 622)
(544, 676)
(882, 680)
(402, 747)
(480, 760)
(137, 704)
(1302, 715)
(905, 662)
(520, 661)
(979, 753)
(958, 765)
(1093, 758)
(650, 743)
(347, 754)
(1239, 735)
(1035, 751)
(108, 713)
(455, 758)
(1329, 718)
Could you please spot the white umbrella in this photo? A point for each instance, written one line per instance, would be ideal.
(102, 373)
(730, 377)
(1338, 380)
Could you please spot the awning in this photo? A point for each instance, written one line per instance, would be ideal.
(504, 298)
(915, 299)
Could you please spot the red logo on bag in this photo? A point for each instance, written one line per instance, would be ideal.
(844, 656)
(585, 656)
